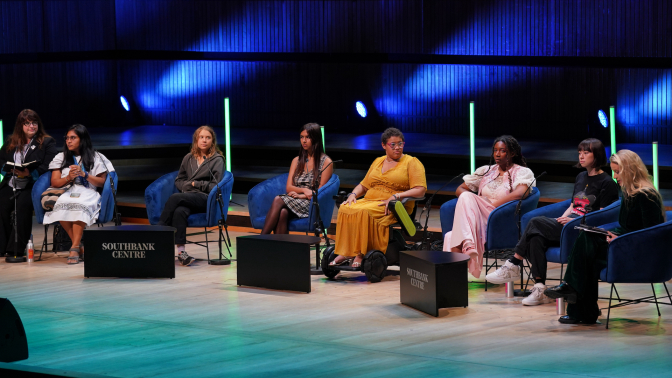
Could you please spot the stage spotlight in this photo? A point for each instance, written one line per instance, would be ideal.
(361, 109)
(124, 103)
(603, 118)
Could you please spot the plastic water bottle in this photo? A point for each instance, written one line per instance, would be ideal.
(30, 250)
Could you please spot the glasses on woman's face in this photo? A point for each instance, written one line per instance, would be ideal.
(394, 146)
(30, 123)
(67, 138)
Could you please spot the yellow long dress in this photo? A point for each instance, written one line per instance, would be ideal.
(363, 226)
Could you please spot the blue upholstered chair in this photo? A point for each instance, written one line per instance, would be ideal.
(260, 198)
(502, 232)
(561, 253)
(106, 204)
(158, 192)
(639, 257)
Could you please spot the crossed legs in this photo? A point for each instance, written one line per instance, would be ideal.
(75, 230)
(277, 218)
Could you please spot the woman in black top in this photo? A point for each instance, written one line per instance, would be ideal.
(641, 207)
(29, 142)
(593, 190)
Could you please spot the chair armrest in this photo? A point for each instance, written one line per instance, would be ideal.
(260, 197)
(609, 226)
(641, 256)
(325, 198)
(446, 215)
(569, 234)
(41, 184)
(551, 211)
(157, 194)
(502, 228)
(213, 213)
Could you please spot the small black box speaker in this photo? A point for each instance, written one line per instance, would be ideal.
(13, 342)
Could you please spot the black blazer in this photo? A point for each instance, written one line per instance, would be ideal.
(44, 153)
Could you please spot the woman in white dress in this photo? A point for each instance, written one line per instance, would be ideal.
(83, 171)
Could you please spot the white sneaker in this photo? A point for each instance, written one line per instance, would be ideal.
(507, 273)
(537, 296)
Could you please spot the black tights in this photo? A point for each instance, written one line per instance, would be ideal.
(277, 218)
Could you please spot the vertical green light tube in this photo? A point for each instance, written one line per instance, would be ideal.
(227, 135)
(655, 165)
(612, 131)
(324, 146)
(612, 128)
(472, 139)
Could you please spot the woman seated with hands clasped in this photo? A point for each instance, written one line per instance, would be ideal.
(593, 190)
(641, 207)
(82, 171)
(201, 170)
(486, 189)
(303, 174)
(364, 225)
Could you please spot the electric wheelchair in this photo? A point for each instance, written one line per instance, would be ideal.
(375, 263)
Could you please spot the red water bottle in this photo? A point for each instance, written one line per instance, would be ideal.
(31, 249)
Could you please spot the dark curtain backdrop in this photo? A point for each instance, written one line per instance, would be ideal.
(535, 68)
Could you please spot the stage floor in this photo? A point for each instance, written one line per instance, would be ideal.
(202, 324)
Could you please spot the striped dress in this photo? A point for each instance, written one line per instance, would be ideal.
(301, 206)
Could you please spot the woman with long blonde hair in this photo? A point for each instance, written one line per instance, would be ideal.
(201, 169)
(641, 207)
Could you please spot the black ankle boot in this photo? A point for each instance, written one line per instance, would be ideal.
(562, 291)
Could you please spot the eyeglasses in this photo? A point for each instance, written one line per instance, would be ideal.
(31, 124)
(395, 145)
(67, 138)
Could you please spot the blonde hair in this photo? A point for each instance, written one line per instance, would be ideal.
(213, 148)
(635, 177)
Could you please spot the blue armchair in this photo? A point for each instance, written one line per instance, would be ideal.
(561, 253)
(158, 192)
(627, 264)
(502, 232)
(260, 198)
(106, 202)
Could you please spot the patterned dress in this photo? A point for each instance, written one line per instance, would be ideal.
(472, 210)
(301, 206)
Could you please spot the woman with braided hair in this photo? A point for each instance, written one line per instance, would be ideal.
(484, 190)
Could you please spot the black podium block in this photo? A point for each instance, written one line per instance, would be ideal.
(431, 280)
(130, 251)
(280, 262)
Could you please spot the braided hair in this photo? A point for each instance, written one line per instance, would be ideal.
(513, 148)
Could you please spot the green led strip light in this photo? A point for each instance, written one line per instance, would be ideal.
(324, 147)
(655, 165)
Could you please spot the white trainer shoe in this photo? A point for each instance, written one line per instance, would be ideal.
(537, 296)
(507, 273)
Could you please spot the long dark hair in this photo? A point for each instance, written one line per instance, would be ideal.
(597, 148)
(316, 149)
(195, 151)
(18, 137)
(85, 148)
(513, 148)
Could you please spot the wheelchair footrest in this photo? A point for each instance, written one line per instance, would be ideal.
(346, 268)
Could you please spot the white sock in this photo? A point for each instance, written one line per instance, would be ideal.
(180, 249)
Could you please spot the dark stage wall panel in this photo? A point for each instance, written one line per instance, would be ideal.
(614, 28)
(532, 102)
(62, 93)
(56, 26)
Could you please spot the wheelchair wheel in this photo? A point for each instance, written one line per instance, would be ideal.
(374, 266)
(328, 256)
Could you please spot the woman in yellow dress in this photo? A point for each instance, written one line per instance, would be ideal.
(364, 225)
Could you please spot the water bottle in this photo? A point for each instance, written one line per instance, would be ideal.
(30, 249)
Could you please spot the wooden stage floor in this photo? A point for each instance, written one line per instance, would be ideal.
(202, 324)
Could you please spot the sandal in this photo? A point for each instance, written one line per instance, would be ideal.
(72, 260)
(357, 264)
(342, 262)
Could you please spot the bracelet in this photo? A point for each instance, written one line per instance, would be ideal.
(396, 197)
(86, 175)
(350, 194)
